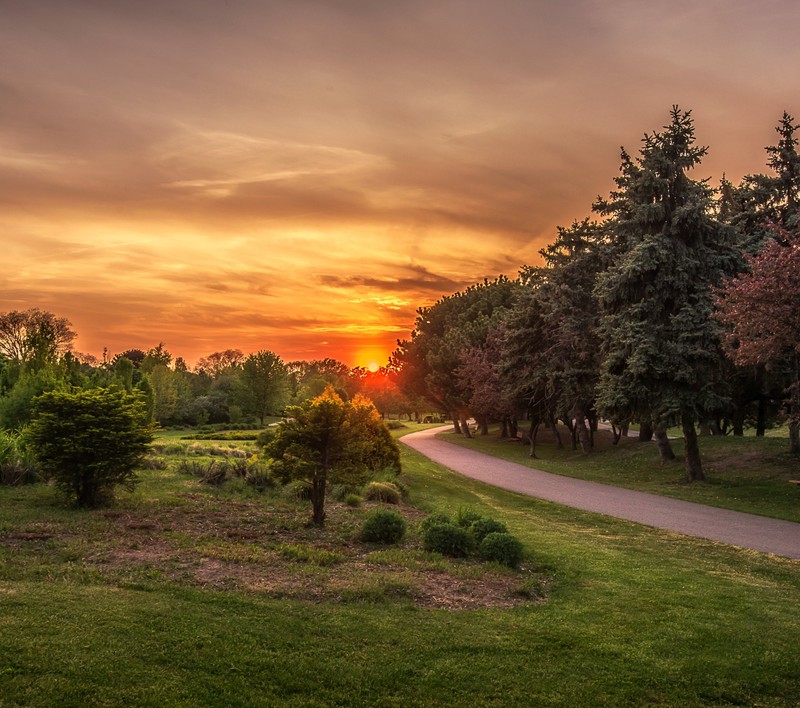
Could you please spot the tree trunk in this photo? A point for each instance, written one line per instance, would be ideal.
(456, 426)
(532, 436)
(504, 428)
(512, 427)
(616, 434)
(554, 428)
(761, 419)
(664, 448)
(705, 428)
(694, 466)
(318, 501)
(794, 437)
(738, 422)
(645, 432)
(484, 423)
(465, 428)
(584, 434)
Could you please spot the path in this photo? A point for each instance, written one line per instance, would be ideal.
(732, 527)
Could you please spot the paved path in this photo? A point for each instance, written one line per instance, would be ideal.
(732, 527)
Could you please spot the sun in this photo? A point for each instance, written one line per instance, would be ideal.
(373, 366)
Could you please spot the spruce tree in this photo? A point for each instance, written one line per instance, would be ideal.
(661, 348)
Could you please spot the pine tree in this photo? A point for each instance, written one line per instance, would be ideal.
(661, 348)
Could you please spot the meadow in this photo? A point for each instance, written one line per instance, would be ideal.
(186, 593)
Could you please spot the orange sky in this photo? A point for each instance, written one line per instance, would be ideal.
(301, 175)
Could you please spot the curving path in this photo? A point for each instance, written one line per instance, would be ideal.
(735, 528)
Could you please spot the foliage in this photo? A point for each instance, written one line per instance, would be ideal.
(760, 309)
(482, 527)
(383, 526)
(352, 499)
(385, 492)
(90, 441)
(34, 336)
(448, 539)
(327, 440)
(433, 520)
(263, 384)
(17, 463)
(465, 517)
(661, 347)
(501, 547)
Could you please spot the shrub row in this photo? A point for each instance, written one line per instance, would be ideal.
(471, 533)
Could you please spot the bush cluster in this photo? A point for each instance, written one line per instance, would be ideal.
(471, 532)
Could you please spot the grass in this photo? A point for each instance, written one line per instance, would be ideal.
(744, 474)
(630, 616)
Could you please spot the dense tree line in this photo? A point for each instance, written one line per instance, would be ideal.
(226, 387)
(674, 306)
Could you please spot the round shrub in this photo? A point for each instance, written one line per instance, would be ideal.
(502, 548)
(447, 539)
(433, 520)
(352, 500)
(384, 526)
(483, 527)
(266, 436)
(385, 492)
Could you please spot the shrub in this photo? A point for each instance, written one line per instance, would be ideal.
(352, 500)
(384, 526)
(298, 489)
(395, 425)
(483, 527)
(433, 520)
(90, 440)
(17, 463)
(466, 517)
(447, 539)
(258, 475)
(340, 491)
(154, 462)
(501, 548)
(385, 492)
(266, 436)
(207, 471)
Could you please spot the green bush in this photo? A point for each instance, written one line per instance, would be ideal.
(433, 520)
(352, 500)
(17, 463)
(501, 548)
(395, 425)
(298, 489)
(466, 517)
(384, 526)
(483, 527)
(447, 539)
(258, 475)
(266, 436)
(90, 440)
(385, 492)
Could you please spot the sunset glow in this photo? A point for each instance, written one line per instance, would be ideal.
(302, 176)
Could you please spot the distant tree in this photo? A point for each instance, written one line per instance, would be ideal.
(136, 356)
(263, 384)
(29, 335)
(661, 347)
(761, 311)
(327, 440)
(156, 356)
(90, 441)
(217, 363)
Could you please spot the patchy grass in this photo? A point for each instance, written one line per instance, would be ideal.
(186, 595)
(744, 474)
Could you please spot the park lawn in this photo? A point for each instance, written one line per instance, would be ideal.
(625, 615)
(747, 474)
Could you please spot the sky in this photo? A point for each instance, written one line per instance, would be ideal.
(302, 175)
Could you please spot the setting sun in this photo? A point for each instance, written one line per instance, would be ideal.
(373, 366)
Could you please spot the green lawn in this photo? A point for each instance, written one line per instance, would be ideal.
(745, 474)
(630, 615)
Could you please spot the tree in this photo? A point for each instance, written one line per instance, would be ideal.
(34, 335)
(90, 440)
(327, 439)
(760, 309)
(661, 348)
(264, 384)
(218, 363)
(428, 363)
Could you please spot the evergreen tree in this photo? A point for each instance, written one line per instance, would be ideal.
(661, 347)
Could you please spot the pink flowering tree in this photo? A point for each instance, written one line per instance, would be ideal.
(761, 310)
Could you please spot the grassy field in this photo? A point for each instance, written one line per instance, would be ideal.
(745, 474)
(186, 594)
